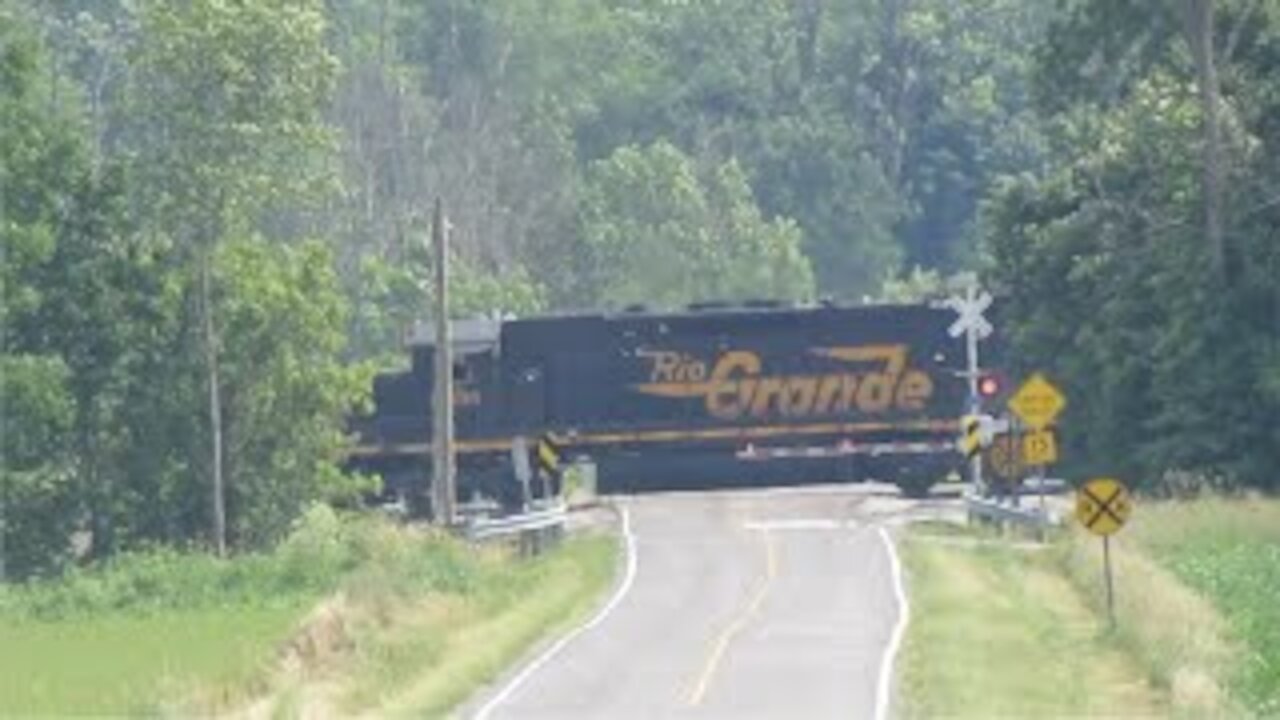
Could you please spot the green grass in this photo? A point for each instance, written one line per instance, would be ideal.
(163, 628)
(1229, 551)
(128, 664)
(407, 615)
(997, 632)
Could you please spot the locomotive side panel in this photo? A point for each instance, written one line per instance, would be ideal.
(871, 366)
(673, 400)
(662, 401)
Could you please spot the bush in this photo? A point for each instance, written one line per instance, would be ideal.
(321, 549)
(324, 551)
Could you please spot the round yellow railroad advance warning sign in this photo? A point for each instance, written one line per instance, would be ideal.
(1004, 458)
(1103, 505)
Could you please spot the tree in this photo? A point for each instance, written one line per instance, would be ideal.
(1110, 268)
(656, 231)
(1126, 40)
(228, 98)
(283, 332)
(49, 194)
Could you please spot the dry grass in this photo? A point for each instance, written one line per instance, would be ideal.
(377, 650)
(997, 632)
(1175, 633)
(1197, 582)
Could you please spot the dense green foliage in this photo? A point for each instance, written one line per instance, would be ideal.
(1167, 339)
(322, 549)
(215, 212)
(114, 256)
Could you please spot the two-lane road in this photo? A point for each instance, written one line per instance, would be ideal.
(770, 604)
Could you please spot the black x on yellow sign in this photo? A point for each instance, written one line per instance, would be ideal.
(1103, 505)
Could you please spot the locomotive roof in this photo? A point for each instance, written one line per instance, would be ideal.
(724, 310)
(472, 335)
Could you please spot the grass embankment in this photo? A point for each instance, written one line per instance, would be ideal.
(1198, 600)
(186, 633)
(420, 650)
(998, 631)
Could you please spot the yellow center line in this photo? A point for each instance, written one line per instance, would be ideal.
(721, 644)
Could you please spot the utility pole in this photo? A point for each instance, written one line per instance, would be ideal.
(442, 467)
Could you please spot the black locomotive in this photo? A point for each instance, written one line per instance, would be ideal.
(708, 397)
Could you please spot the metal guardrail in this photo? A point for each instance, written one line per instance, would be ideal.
(992, 509)
(537, 520)
(1047, 486)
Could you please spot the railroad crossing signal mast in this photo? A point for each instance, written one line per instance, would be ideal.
(975, 327)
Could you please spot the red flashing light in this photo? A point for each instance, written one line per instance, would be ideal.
(988, 386)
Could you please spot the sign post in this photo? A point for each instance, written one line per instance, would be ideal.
(974, 326)
(1040, 448)
(1102, 507)
(1037, 403)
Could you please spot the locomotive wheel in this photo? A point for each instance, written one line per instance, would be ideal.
(915, 485)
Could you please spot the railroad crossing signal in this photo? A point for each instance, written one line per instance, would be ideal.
(974, 327)
(1038, 402)
(1040, 447)
(1103, 506)
(970, 309)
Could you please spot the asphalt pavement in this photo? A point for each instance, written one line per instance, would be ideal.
(756, 604)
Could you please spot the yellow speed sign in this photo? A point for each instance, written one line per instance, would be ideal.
(1040, 447)
(1103, 505)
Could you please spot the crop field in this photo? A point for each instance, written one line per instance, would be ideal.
(1229, 552)
(121, 664)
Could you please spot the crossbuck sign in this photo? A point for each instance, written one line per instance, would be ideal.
(970, 309)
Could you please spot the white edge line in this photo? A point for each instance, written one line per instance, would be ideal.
(885, 681)
(551, 652)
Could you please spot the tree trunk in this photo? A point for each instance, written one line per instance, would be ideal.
(809, 20)
(1200, 30)
(215, 405)
(97, 483)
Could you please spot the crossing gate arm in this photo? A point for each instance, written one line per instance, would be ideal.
(845, 449)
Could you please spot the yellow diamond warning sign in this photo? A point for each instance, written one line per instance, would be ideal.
(1038, 402)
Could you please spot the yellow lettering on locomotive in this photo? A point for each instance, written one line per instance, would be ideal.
(830, 387)
(726, 397)
(737, 385)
